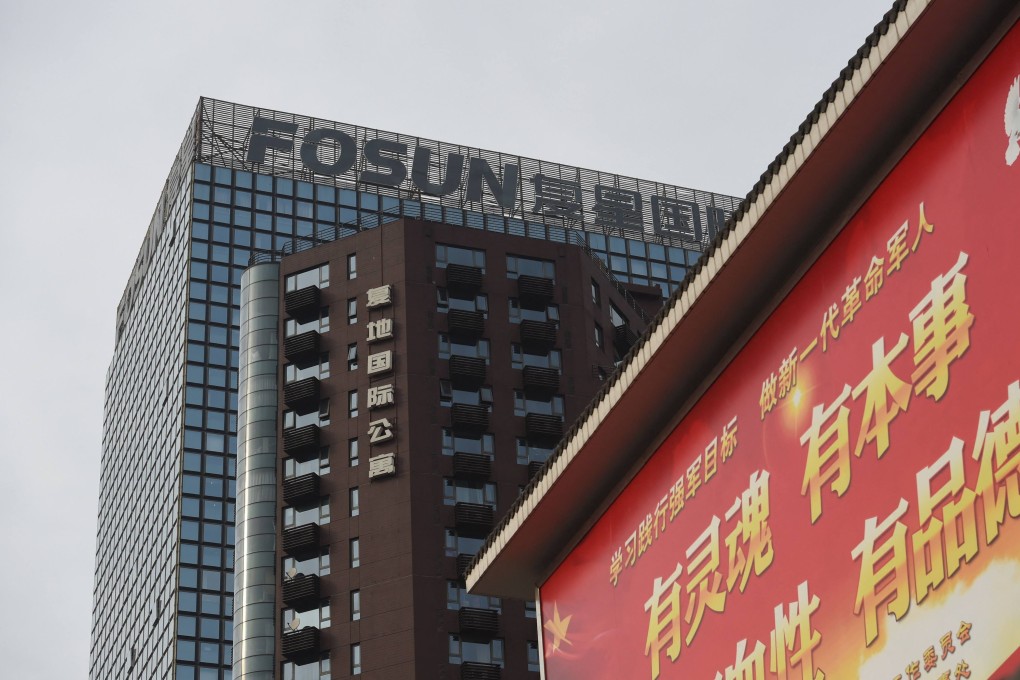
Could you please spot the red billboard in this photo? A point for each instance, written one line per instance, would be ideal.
(844, 501)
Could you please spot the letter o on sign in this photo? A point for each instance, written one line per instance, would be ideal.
(310, 152)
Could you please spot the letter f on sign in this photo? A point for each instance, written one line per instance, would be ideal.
(260, 140)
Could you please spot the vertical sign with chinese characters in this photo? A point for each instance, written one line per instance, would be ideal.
(381, 393)
(844, 501)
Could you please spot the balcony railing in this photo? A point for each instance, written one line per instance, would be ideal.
(301, 443)
(301, 645)
(534, 292)
(541, 426)
(471, 465)
(473, 670)
(302, 304)
(463, 279)
(538, 336)
(301, 592)
(302, 348)
(624, 338)
(464, 324)
(483, 621)
(473, 519)
(301, 490)
(541, 381)
(301, 540)
(468, 418)
(467, 372)
(302, 396)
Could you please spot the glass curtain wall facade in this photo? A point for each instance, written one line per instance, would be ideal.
(164, 560)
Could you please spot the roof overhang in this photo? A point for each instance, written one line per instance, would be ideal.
(907, 70)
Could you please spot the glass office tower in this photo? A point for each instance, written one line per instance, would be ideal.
(248, 180)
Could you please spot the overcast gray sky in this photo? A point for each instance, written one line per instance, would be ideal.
(96, 98)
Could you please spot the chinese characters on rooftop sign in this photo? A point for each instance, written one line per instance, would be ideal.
(460, 177)
(844, 501)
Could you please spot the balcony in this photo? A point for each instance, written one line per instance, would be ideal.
(301, 443)
(534, 467)
(473, 518)
(473, 670)
(624, 338)
(471, 465)
(301, 592)
(467, 418)
(467, 372)
(484, 621)
(301, 541)
(465, 325)
(302, 304)
(301, 646)
(534, 292)
(301, 490)
(463, 279)
(538, 336)
(302, 348)
(463, 562)
(302, 396)
(542, 381)
(543, 427)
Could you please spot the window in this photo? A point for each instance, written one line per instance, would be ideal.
(320, 465)
(356, 658)
(315, 670)
(352, 452)
(528, 452)
(457, 596)
(449, 395)
(318, 564)
(316, 618)
(596, 294)
(598, 335)
(461, 545)
(352, 404)
(461, 491)
(320, 370)
(454, 255)
(445, 302)
(616, 317)
(321, 324)
(518, 313)
(478, 652)
(320, 417)
(352, 311)
(530, 609)
(519, 358)
(533, 656)
(355, 553)
(552, 406)
(482, 444)
(316, 276)
(447, 346)
(355, 605)
(527, 266)
(314, 514)
(352, 356)
(352, 266)
(355, 502)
